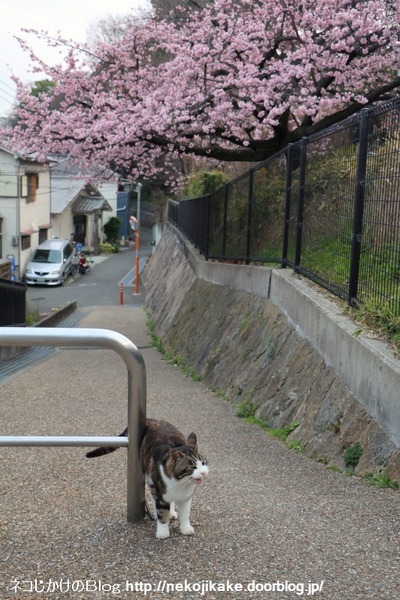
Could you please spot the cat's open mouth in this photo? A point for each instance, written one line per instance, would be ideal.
(198, 479)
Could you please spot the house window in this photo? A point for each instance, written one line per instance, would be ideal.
(25, 242)
(42, 235)
(29, 186)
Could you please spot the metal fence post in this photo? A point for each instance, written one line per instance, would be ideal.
(207, 245)
(288, 197)
(358, 214)
(225, 219)
(300, 205)
(249, 215)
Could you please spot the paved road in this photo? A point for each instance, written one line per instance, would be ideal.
(100, 286)
(270, 524)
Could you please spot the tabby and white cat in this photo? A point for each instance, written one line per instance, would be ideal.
(173, 469)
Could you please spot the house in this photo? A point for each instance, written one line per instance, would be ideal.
(77, 206)
(25, 203)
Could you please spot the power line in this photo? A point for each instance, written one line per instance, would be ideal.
(7, 86)
(6, 99)
(6, 96)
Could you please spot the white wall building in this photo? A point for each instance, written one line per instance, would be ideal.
(39, 201)
(77, 206)
(24, 207)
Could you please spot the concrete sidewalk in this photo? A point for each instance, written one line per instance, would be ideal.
(269, 523)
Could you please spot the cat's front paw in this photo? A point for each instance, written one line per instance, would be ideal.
(187, 529)
(172, 512)
(162, 532)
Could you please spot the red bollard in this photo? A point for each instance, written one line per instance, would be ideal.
(121, 293)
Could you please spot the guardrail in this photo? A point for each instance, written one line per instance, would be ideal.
(95, 338)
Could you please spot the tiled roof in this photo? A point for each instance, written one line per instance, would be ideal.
(88, 204)
(69, 187)
(64, 190)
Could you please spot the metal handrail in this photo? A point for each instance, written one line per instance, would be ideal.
(95, 338)
(64, 440)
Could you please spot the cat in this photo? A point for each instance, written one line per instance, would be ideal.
(173, 469)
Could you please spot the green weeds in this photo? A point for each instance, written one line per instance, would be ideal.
(246, 410)
(32, 317)
(296, 445)
(380, 318)
(380, 479)
(168, 354)
(352, 455)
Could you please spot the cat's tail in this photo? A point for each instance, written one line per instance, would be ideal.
(105, 450)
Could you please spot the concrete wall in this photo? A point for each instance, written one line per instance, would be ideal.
(280, 340)
(62, 225)
(365, 365)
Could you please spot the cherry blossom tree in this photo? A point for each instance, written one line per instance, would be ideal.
(236, 80)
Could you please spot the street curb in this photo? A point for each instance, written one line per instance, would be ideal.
(49, 321)
(57, 316)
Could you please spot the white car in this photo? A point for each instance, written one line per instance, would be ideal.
(50, 264)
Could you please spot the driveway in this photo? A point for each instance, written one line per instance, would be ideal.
(100, 286)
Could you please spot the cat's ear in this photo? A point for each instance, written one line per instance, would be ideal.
(192, 440)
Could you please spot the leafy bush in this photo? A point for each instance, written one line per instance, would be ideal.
(107, 248)
(352, 455)
(204, 182)
(246, 409)
(111, 230)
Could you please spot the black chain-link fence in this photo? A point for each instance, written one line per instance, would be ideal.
(327, 206)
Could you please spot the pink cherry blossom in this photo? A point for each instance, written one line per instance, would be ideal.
(235, 81)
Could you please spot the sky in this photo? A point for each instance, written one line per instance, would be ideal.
(72, 18)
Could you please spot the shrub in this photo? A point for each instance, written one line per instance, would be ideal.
(111, 230)
(352, 455)
(246, 409)
(107, 248)
(204, 182)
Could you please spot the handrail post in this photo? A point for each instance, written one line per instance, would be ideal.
(136, 430)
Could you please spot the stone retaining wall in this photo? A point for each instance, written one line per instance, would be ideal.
(249, 349)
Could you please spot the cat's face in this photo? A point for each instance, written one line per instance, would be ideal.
(189, 465)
